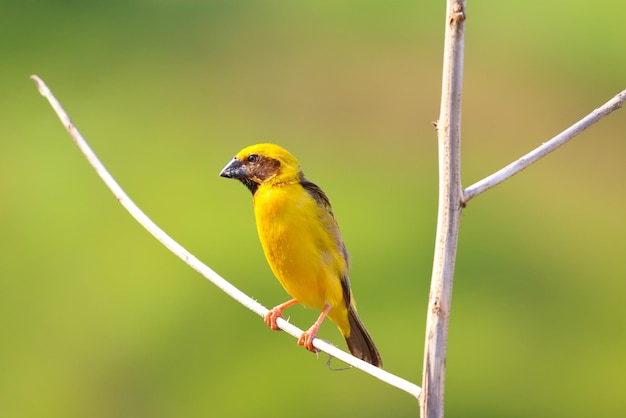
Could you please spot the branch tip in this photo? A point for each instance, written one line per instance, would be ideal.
(41, 86)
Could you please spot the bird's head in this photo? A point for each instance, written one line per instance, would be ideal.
(261, 164)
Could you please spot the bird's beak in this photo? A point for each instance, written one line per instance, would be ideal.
(234, 170)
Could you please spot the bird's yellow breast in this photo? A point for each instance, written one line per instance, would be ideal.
(302, 246)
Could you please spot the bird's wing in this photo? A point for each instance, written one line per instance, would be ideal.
(318, 195)
(322, 200)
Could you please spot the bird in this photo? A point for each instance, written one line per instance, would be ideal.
(302, 244)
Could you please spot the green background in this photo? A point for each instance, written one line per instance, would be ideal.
(97, 319)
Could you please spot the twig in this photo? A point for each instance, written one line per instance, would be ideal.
(448, 217)
(544, 149)
(201, 268)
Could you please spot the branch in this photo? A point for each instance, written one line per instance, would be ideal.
(201, 268)
(449, 212)
(543, 150)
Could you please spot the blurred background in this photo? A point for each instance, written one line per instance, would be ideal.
(97, 319)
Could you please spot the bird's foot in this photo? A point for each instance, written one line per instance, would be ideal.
(272, 316)
(277, 312)
(306, 339)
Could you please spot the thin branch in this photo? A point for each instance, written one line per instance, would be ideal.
(543, 150)
(449, 213)
(201, 268)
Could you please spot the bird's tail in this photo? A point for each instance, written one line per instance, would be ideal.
(359, 342)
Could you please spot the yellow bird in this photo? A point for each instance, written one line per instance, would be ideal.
(302, 243)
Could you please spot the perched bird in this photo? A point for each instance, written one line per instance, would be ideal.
(302, 243)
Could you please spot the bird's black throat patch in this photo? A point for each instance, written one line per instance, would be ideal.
(250, 184)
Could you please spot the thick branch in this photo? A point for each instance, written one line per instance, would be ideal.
(450, 194)
(201, 268)
(543, 150)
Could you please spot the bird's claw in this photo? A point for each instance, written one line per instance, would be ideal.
(306, 339)
(271, 317)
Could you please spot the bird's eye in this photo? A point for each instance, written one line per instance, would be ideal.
(252, 158)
